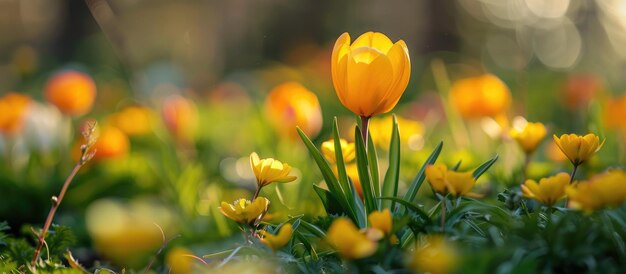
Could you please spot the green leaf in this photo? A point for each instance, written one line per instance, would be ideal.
(421, 175)
(341, 166)
(410, 207)
(329, 201)
(392, 176)
(484, 167)
(327, 173)
(313, 229)
(361, 215)
(364, 172)
(373, 161)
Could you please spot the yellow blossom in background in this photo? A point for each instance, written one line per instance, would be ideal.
(381, 223)
(179, 260)
(435, 255)
(554, 153)
(446, 181)
(482, 96)
(180, 116)
(269, 171)
(276, 242)
(529, 137)
(410, 132)
(13, 107)
(548, 191)
(291, 105)
(245, 211)
(348, 240)
(577, 148)
(71, 91)
(604, 190)
(352, 171)
(371, 74)
(133, 120)
(347, 150)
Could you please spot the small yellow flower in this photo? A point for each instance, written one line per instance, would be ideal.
(347, 150)
(291, 105)
(604, 190)
(13, 107)
(269, 171)
(71, 91)
(446, 181)
(276, 242)
(435, 256)
(371, 74)
(482, 96)
(348, 240)
(548, 191)
(577, 148)
(529, 137)
(380, 225)
(246, 212)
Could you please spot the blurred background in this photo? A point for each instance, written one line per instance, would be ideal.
(186, 90)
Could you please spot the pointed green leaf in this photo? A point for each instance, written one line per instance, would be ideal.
(421, 175)
(341, 166)
(364, 172)
(373, 161)
(484, 167)
(329, 201)
(410, 207)
(392, 176)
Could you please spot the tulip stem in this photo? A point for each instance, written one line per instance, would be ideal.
(256, 193)
(443, 213)
(571, 179)
(364, 129)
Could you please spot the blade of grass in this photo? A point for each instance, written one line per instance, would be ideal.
(390, 184)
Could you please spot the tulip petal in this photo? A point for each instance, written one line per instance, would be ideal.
(367, 83)
(375, 40)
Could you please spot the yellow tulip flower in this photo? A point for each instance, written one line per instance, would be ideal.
(446, 181)
(13, 107)
(578, 149)
(548, 191)
(276, 242)
(349, 241)
(481, 96)
(371, 74)
(604, 190)
(292, 105)
(435, 256)
(347, 150)
(529, 137)
(269, 171)
(245, 211)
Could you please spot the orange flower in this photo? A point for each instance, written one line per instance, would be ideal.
(111, 143)
(481, 96)
(577, 148)
(71, 91)
(604, 190)
(578, 90)
(548, 191)
(181, 117)
(291, 105)
(13, 108)
(614, 112)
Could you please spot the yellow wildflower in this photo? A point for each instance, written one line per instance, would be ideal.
(245, 211)
(371, 74)
(434, 256)
(529, 137)
(348, 240)
(446, 181)
(548, 191)
(577, 148)
(269, 171)
(276, 242)
(347, 150)
(604, 190)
